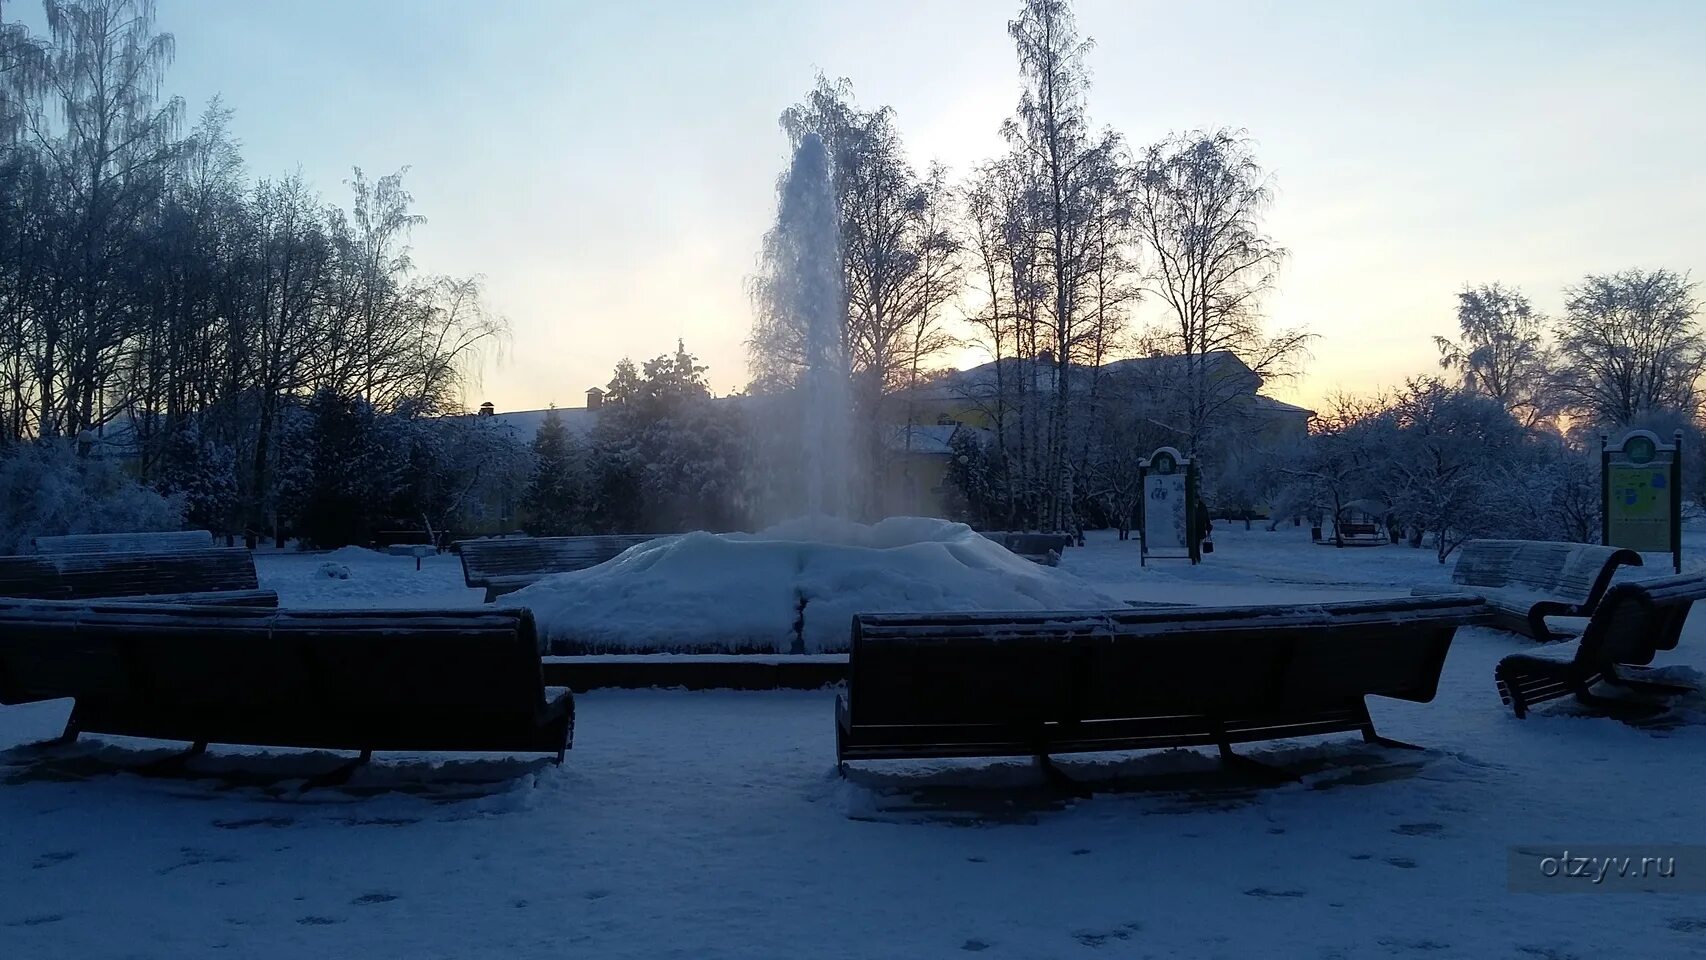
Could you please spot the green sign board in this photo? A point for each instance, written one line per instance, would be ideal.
(1641, 499)
(1640, 517)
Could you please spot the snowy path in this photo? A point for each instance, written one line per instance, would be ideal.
(711, 825)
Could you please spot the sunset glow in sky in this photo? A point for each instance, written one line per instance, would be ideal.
(610, 168)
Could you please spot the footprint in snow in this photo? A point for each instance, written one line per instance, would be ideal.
(974, 945)
(1265, 892)
(1096, 938)
(254, 822)
(1402, 862)
(1414, 944)
(372, 898)
(36, 920)
(1419, 829)
(596, 894)
(49, 859)
(1687, 924)
(312, 921)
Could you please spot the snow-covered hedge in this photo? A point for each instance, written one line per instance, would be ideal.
(47, 490)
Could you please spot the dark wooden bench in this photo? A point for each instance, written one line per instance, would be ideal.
(1526, 581)
(1631, 624)
(455, 680)
(75, 576)
(507, 564)
(1035, 684)
(1046, 548)
(158, 542)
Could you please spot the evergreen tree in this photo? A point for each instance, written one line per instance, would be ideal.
(553, 503)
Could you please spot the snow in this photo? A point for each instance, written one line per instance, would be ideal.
(713, 825)
(700, 591)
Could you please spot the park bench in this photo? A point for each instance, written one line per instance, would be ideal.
(505, 565)
(76, 576)
(1526, 581)
(453, 680)
(168, 541)
(1042, 683)
(1046, 548)
(1630, 625)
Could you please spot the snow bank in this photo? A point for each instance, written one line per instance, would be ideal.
(792, 587)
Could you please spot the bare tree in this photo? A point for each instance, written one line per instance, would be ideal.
(109, 150)
(1629, 343)
(1200, 198)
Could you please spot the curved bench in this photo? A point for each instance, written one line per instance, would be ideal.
(505, 565)
(1630, 626)
(1526, 581)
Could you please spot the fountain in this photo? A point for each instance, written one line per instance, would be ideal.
(795, 586)
(802, 334)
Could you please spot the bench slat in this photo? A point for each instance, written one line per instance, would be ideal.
(80, 575)
(154, 542)
(508, 564)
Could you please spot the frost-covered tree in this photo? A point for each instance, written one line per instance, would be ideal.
(48, 489)
(1454, 454)
(202, 472)
(664, 457)
(1629, 343)
(1501, 351)
(354, 469)
(1338, 463)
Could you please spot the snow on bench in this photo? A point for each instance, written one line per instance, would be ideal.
(1034, 684)
(1526, 581)
(75, 576)
(154, 542)
(1630, 625)
(507, 564)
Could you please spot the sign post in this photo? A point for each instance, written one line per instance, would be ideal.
(1168, 521)
(1641, 493)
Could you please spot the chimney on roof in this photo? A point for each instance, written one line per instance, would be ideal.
(594, 398)
(486, 409)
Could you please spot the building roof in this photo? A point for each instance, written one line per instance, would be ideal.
(524, 424)
(1280, 406)
(982, 379)
(933, 439)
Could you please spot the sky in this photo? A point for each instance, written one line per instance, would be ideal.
(610, 168)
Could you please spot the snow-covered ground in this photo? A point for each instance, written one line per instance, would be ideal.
(713, 825)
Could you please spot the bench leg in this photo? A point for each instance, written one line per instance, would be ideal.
(338, 775)
(1266, 771)
(1369, 736)
(73, 727)
(1631, 683)
(174, 763)
(1058, 779)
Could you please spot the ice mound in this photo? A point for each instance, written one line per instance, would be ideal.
(793, 586)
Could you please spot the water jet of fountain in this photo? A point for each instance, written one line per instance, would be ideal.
(806, 321)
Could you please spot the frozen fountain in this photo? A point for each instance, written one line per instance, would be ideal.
(795, 586)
